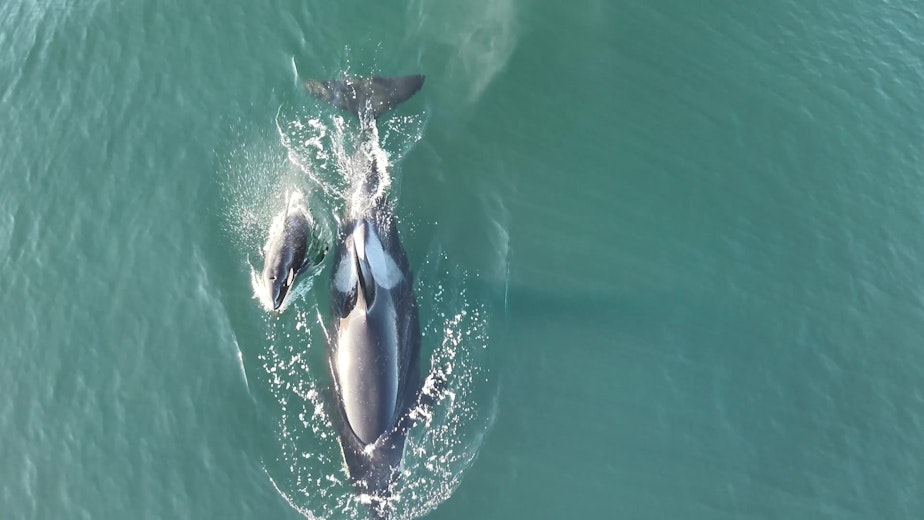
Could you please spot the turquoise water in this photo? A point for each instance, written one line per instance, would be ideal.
(669, 251)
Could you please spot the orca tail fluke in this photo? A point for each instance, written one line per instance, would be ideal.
(366, 97)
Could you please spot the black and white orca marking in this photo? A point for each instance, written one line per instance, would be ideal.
(291, 249)
(374, 342)
(374, 353)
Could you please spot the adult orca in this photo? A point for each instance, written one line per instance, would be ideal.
(373, 350)
(292, 248)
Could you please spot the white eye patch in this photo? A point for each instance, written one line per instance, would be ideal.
(384, 269)
(345, 277)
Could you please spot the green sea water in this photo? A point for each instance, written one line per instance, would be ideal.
(669, 251)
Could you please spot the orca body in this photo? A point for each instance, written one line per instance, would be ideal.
(289, 251)
(373, 350)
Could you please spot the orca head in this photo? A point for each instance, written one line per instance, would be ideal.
(282, 264)
(278, 277)
(285, 255)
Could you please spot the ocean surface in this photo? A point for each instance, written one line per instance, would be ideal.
(667, 252)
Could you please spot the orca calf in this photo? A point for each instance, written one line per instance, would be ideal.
(373, 351)
(290, 250)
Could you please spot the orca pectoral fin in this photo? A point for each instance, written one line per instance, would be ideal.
(366, 96)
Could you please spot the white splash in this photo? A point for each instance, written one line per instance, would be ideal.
(322, 158)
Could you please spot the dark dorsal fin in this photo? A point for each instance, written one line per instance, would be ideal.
(363, 97)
